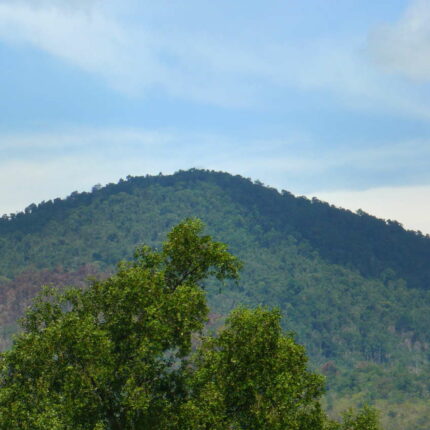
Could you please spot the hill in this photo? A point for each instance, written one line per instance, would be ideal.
(354, 288)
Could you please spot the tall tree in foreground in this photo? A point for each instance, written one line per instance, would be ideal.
(118, 355)
(253, 377)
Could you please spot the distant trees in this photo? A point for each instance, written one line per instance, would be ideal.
(127, 353)
(373, 327)
(252, 376)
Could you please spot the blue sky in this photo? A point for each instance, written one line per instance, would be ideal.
(320, 97)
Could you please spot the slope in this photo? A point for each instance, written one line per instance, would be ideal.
(354, 288)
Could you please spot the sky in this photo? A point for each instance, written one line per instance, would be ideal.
(325, 98)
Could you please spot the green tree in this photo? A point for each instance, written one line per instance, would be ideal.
(365, 419)
(118, 355)
(252, 376)
(109, 357)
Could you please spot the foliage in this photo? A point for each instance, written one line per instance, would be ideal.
(353, 288)
(367, 419)
(359, 240)
(117, 355)
(252, 376)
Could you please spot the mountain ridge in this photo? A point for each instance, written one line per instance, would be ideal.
(353, 287)
(290, 213)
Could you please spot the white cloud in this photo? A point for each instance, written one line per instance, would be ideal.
(404, 46)
(407, 205)
(130, 57)
(62, 4)
(186, 63)
(83, 139)
(24, 181)
(45, 166)
(134, 55)
(36, 167)
(82, 36)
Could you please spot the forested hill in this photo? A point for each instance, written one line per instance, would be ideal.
(356, 240)
(354, 288)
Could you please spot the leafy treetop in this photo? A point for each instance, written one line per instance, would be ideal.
(119, 355)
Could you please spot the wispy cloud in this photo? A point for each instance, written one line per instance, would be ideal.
(403, 47)
(31, 170)
(42, 166)
(229, 55)
(82, 138)
(408, 205)
(52, 164)
(49, 165)
(133, 56)
(82, 36)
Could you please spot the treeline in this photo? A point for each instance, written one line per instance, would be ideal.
(358, 240)
(350, 286)
(119, 355)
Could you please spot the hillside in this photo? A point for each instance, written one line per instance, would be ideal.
(354, 288)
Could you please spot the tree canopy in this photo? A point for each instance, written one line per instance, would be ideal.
(128, 353)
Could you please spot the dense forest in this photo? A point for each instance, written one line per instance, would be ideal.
(129, 352)
(354, 289)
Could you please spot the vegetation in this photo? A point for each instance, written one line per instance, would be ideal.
(117, 355)
(353, 288)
